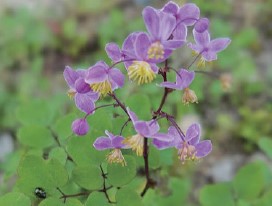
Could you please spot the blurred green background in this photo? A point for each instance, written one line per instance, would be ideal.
(38, 38)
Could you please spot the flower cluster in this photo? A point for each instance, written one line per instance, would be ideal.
(141, 53)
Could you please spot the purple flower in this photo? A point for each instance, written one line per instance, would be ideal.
(75, 81)
(160, 26)
(104, 79)
(80, 126)
(134, 54)
(187, 15)
(112, 142)
(79, 90)
(189, 146)
(206, 48)
(147, 129)
(183, 79)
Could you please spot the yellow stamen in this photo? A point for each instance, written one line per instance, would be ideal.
(187, 152)
(102, 87)
(155, 51)
(116, 156)
(71, 93)
(201, 62)
(136, 142)
(189, 96)
(141, 72)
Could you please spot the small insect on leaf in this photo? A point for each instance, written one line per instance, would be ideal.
(40, 193)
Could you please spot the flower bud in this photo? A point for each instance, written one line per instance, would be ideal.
(80, 127)
(189, 96)
(202, 25)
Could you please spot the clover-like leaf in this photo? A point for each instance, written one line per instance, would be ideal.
(119, 175)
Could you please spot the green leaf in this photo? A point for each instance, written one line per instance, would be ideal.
(34, 172)
(35, 112)
(154, 157)
(100, 121)
(88, 177)
(51, 201)
(265, 144)
(243, 203)
(217, 194)
(265, 200)
(119, 175)
(97, 198)
(62, 127)
(243, 185)
(35, 136)
(83, 153)
(15, 199)
(140, 104)
(58, 154)
(126, 196)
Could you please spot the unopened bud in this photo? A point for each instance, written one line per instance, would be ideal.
(80, 127)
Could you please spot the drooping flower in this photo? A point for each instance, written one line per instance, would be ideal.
(183, 79)
(189, 96)
(189, 146)
(147, 129)
(113, 142)
(80, 126)
(206, 48)
(104, 79)
(83, 95)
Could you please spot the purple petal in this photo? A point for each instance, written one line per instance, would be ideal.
(209, 55)
(147, 129)
(189, 14)
(116, 78)
(163, 137)
(196, 47)
(154, 67)
(102, 143)
(202, 25)
(81, 72)
(202, 38)
(142, 44)
(193, 134)
(81, 86)
(80, 127)
(170, 85)
(113, 52)
(132, 116)
(93, 96)
(167, 25)
(84, 103)
(162, 144)
(173, 44)
(128, 46)
(110, 135)
(185, 78)
(219, 44)
(117, 142)
(152, 21)
(180, 33)
(96, 74)
(70, 76)
(171, 8)
(203, 148)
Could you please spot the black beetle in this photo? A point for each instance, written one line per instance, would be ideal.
(39, 192)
